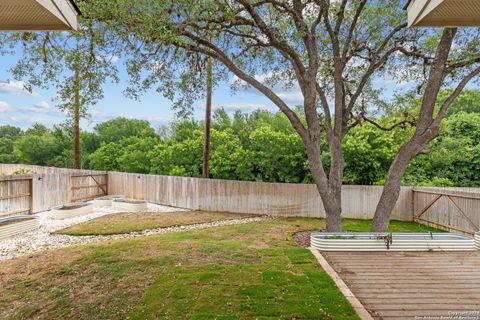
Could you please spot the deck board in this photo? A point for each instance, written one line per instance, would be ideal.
(405, 285)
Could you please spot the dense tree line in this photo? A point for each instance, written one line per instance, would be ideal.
(260, 146)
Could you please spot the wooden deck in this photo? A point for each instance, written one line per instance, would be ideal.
(412, 285)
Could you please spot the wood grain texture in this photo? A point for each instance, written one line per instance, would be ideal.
(15, 195)
(405, 285)
(277, 199)
(50, 187)
(451, 209)
(53, 186)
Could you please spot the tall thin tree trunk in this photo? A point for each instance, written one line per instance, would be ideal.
(76, 117)
(208, 116)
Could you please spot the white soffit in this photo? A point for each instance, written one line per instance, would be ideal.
(38, 15)
(444, 13)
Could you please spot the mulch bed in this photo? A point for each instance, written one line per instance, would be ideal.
(76, 206)
(302, 238)
(110, 197)
(131, 201)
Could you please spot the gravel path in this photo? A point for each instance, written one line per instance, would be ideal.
(42, 238)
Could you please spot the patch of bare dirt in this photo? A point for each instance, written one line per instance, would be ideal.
(302, 238)
(71, 207)
(131, 201)
(37, 265)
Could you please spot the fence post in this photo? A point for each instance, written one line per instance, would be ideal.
(30, 190)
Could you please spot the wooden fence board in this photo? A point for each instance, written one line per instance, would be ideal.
(456, 209)
(15, 195)
(87, 186)
(448, 208)
(50, 187)
(278, 199)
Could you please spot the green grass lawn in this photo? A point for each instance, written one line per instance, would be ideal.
(249, 271)
(120, 223)
(395, 226)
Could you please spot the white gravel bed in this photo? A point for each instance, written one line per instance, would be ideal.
(52, 225)
(42, 238)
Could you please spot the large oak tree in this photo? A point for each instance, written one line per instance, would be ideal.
(334, 51)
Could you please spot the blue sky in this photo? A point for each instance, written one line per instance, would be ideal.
(21, 108)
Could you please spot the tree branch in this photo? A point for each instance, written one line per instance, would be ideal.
(351, 30)
(401, 124)
(448, 102)
(219, 55)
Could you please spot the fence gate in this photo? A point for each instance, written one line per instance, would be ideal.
(89, 186)
(15, 195)
(448, 210)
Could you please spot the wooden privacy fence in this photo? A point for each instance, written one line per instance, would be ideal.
(447, 208)
(277, 199)
(88, 186)
(456, 209)
(49, 188)
(15, 195)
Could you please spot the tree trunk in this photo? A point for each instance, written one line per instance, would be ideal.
(330, 192)
(391, 190)
(390, 193)
(208, 116)
(76, 118)
(332, 202)
(426, 129)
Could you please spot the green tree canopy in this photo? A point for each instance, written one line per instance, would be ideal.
(120, 128)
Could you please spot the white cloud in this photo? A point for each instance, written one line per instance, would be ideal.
(8, 119)
(156, 66)
(389, 80)
(155, 121)
(100, 116)
(112, 58)
(14, 87)
(27, 121)
(242, 106)
(291, 94)
(42, 107)
(4, 107)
